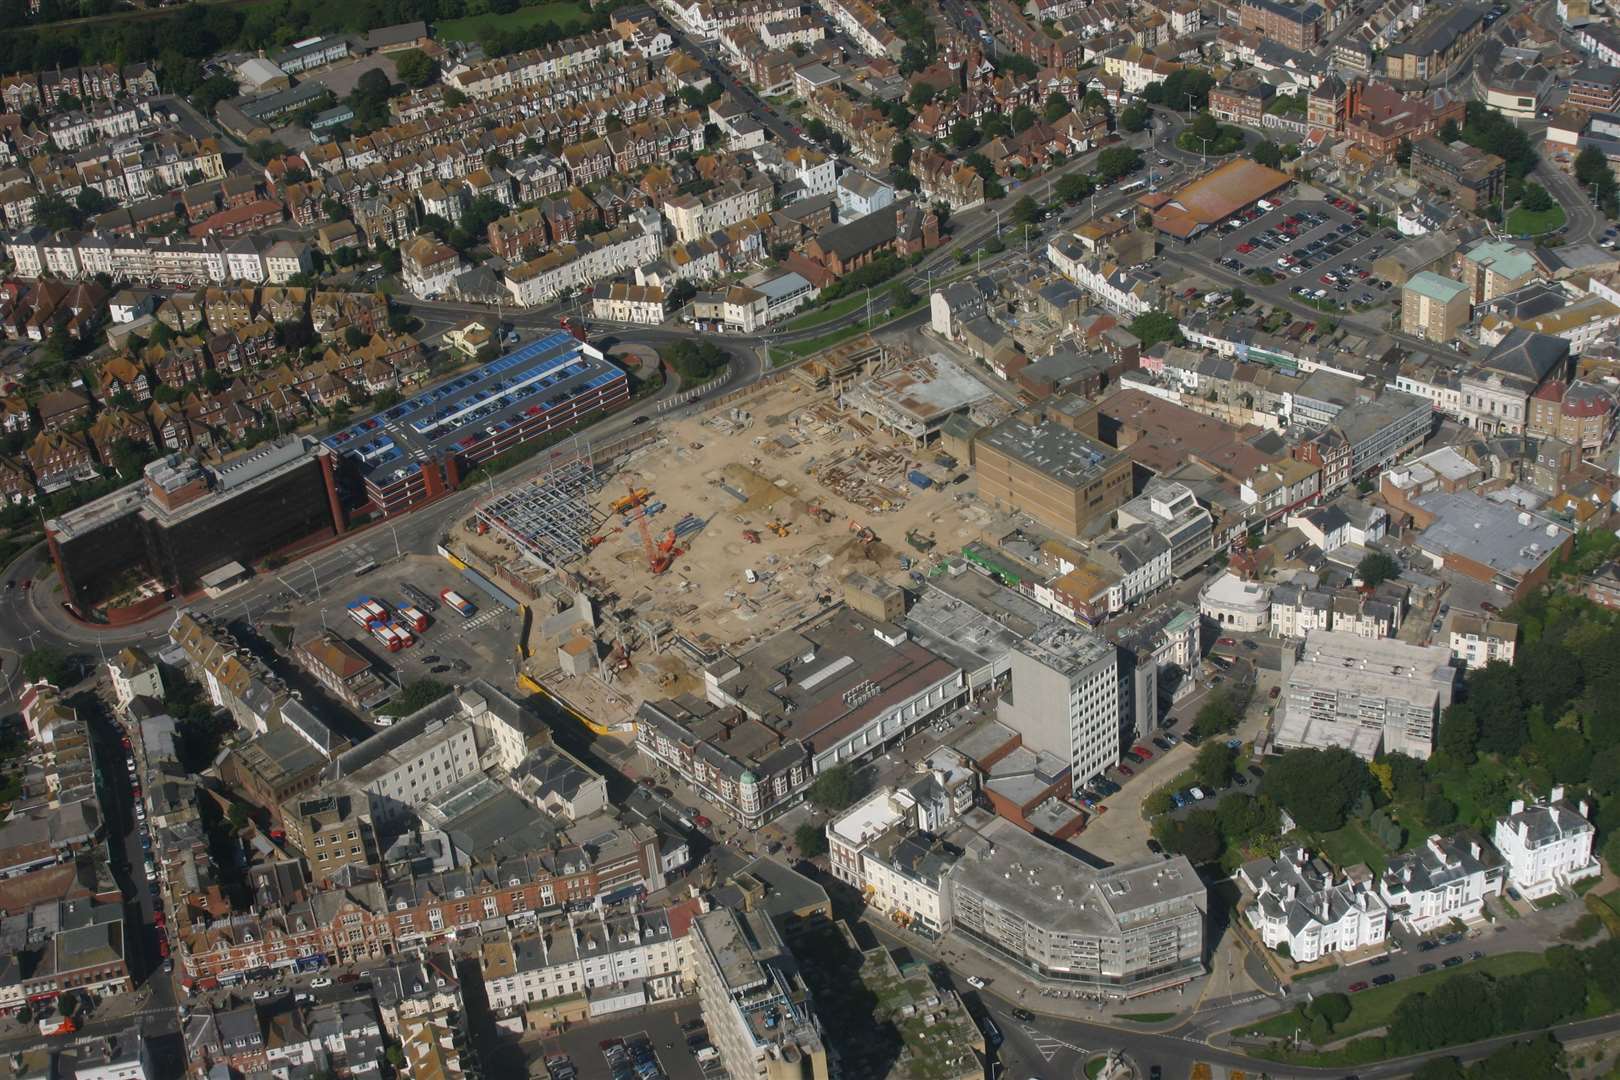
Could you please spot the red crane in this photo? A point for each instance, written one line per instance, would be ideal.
(657, 561)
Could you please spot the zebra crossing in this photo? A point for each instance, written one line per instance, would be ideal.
(483, 618)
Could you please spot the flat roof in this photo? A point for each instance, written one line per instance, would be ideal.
(1057, 452)
(431, 424)
(1216, 196)
(1505, 538)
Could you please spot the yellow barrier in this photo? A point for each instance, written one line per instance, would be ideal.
(527, 683)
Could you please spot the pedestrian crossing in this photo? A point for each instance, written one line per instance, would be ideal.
(483, 618)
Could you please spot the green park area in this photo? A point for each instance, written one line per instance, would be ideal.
(473, 27)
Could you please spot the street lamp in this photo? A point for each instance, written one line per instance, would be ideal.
(398, 554)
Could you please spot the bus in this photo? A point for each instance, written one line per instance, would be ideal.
(365, 568)
(1132, 187)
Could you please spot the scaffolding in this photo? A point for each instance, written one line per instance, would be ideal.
(550, 518)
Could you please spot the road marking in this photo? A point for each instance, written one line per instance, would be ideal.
(1049, 1046)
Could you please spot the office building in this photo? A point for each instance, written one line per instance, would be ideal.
(1367, 695)
(754, 1000)
(1065, 699)
(1061, 478)
(1120, 932)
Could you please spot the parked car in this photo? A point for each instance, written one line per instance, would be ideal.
(1358, 987)
(1384, 979)
(975, 982)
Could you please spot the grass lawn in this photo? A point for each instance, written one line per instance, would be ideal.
(560, 12)
(1095, 1066)
(832, 311)
(1520, 220)
(800, 349)
(1373, 1007)
(1147, 1018)
(1351, 845)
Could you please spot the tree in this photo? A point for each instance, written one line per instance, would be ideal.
(1375, 568)
(1026, 211)
(1459, 733)
(900, 297)
(900, 156)
(921, 94)
(1152, 327)
(1403, 153)
(1116, 162)
(1494, 693)
(1438, 811)
(810, 840)
(1267, 153)
(1195, 835)
(834, 790)
(416, 68)
(1135, 117)
(47, 665)
(237, 816)
(1215, 765)
(1023, 118)
(1216, 716)
(1450, 132)
(1332, 1007)
(1073, 187)
(416, 694)
(1057, 107)
(1243, 817)
(1318, 787)
(964, 135)
(1535, 198)
(694, 362)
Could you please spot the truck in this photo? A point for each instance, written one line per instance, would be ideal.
(459, 602)
(412, 618)
(57, 1025)
(919, 479)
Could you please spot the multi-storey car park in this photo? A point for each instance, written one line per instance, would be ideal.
(418, 449)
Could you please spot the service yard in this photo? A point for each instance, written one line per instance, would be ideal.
(1323, 250)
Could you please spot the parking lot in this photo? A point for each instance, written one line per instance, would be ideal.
(611, 1046)
(452, 648)
(1324, 250)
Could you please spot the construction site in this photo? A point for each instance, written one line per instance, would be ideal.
(640, 565)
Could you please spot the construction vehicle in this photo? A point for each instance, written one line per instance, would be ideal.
(751, 536)
(821, 513)
(625, 502)
(862, 533)
(777, 527)
(667, 544)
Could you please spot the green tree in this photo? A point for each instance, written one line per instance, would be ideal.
(1267, 153)
(1215, 765)
(921, 94)
(1218, 715)
(1073, 187)
(1135, 117)
(1438, 811)
(1459, 733)
(964, 135)
(416, 68)
(237, 816)
(1116, 162)
(834, 790)
(47, 665)
(1535, 198)
(416, 694)
(1026, 211)
(1403, 153)
(1057, 107)
(1332, 1007)
(810, 840)
(1023, 118)
(695, 362)
(1195, 835)
(353, 337)
(900, 297)
(1318, 787)
(1375, 568)
(1152, 327)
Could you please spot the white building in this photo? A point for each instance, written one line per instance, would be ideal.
(286, 259)
(584, 954)
(1232, 603)
(409, 763)
(876, 848)
(1065, 699)
(1363, 694)
(1477, 640)
(134, 673)
(1546, 846)
(1447, 878)
(1295, 901)
(859, 194)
